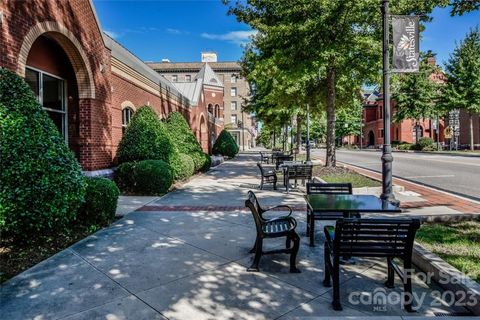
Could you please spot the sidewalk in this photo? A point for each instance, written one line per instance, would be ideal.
(184, 256)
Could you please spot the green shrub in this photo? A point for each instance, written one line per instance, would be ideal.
(425, 143)
(41, 182)
(225, 145)
(153, 177)
(100, 202)
(201, 160)
(182, 166)
(184, 139)
(405, 146)
(146, 138)
(124, 176)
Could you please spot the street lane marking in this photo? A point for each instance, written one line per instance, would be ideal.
(439, 176)
(422, 157)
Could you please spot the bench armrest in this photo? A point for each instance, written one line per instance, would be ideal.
(282, 206)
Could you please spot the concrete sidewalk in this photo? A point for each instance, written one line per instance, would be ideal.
(184, 256)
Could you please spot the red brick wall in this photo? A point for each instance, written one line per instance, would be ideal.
(98, 118)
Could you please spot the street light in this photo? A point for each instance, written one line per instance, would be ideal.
(387, 158)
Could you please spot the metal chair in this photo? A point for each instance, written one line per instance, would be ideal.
(386, 238)
(267, 176)
(283, 226)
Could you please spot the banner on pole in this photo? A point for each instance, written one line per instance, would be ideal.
(406, 57)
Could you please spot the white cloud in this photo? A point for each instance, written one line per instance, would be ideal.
(175, 31)
(112, 34)
(238, 37)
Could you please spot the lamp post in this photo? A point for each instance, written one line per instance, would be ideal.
(307, 146)
(387, 158)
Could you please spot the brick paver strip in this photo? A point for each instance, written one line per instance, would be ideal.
(207, 208)
(432, 197)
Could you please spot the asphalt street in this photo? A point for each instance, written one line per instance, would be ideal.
(452, 173)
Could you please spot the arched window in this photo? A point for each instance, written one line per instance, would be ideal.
(210, 109)
(127, 114)
(217, 111)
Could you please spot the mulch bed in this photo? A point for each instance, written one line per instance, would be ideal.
(16, 256)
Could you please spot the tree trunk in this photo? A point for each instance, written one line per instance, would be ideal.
(330, 160)
(299, 133)
(471, 131)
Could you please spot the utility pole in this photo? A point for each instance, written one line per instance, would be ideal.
(243, 132)
(307, 145)
(387, 158)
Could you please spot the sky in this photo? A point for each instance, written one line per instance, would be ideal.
(180, 30)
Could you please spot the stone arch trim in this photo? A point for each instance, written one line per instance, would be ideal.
(72, 47)
(128, 104)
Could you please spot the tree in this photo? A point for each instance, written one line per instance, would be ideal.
(462, 89)
(416, 94)
(349, 121)
(325, 50)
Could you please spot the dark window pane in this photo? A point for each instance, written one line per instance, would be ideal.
(57, 119)
(52, 93)
(32, 79)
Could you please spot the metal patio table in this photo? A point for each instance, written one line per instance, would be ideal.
(348, 204)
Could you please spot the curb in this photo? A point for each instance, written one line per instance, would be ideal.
(448, 277)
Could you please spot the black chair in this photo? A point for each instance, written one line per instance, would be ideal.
(283, 226)
(264, 158)
(324, 188)
(268, 176)
(386, 238)
(297, 172)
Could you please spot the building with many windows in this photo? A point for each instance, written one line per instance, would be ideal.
(235, 92)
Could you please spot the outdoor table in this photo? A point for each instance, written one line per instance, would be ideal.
(348, 204)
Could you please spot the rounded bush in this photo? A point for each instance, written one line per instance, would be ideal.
(202, 161)
(153, 177)
(124, 176)
(225, 145)
(145, 138)
(182, 167)
(184, 139)
(100, 202)
(41, 182)
(425, 143)
(207, 162)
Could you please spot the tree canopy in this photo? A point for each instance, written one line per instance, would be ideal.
(462, 89)
(315, 51)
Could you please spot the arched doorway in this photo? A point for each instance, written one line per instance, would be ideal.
(203, 133)
(55, 66)
(371, 138)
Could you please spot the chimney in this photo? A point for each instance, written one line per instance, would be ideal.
(431, 61)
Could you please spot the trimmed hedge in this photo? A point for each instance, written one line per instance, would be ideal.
(145, 138)
(41, 182)
(124, 176)
(185, 141)
(100, 202)
(152, 177)
(183, 167)
(225, 145)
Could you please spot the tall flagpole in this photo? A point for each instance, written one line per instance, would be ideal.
(387, 158)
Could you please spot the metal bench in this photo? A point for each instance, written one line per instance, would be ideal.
(267, 176)
(386, 238)
(297, 172)
(264, 157)
(280, 158)
(324, 188)
(283, 226)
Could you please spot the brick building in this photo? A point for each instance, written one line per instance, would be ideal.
(87, 82)
(241, 124)
(405, 131)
